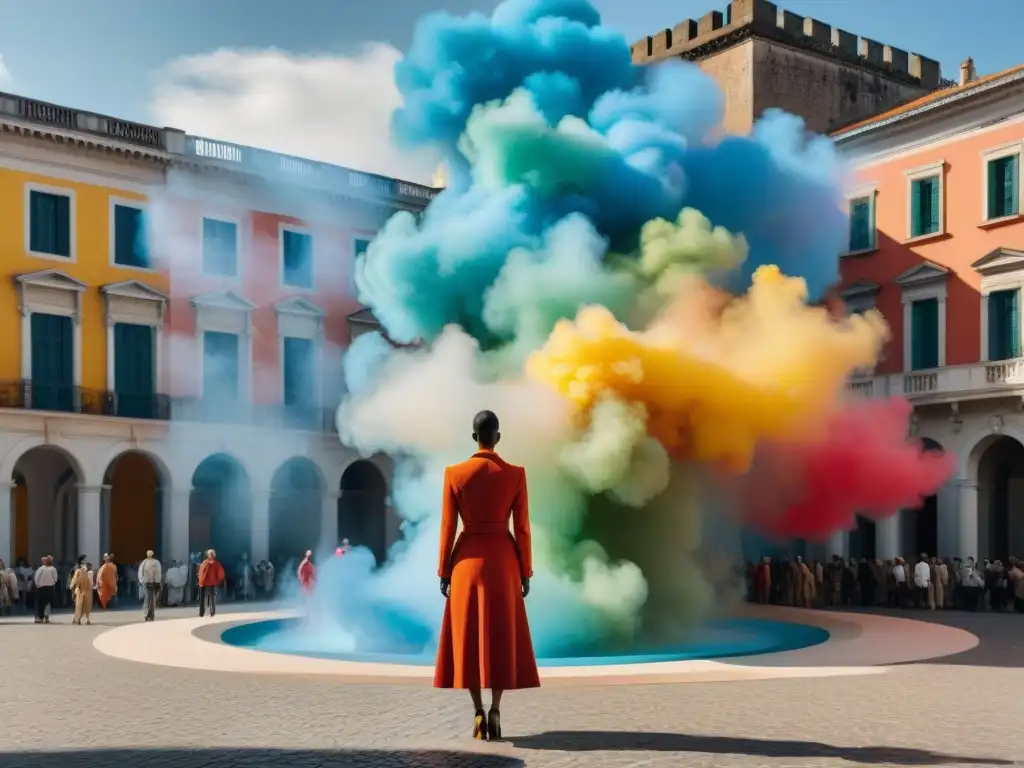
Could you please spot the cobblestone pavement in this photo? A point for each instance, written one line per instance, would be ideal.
(63, 702)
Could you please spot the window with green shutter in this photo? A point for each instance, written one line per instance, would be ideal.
(220, 248)
(862, 224)
(130, 248)
(134, 371)
(221, 367)
(53, 362)
(297, 255)
(1004, 325)
(1003, 187)
(49, 226)
(924, 334)
(299, 372)
(925, 204)
(359, 247)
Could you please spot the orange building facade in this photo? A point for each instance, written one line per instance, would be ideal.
(937, 246)
(179, 310)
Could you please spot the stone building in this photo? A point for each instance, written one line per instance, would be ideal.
(764, 57)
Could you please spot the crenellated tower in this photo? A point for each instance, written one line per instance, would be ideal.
(764, 57)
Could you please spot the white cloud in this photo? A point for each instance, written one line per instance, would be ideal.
(331, 108)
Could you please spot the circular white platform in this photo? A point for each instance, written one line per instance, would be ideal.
(859, 644)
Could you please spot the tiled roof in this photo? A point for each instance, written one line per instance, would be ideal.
(958, 91)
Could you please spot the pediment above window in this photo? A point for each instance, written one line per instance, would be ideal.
(222, 300)
(133, 289)
(298, 306)
(999, 262)
(860, 296)
(925, 273)
(52, 279)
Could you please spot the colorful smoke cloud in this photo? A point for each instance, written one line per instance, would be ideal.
(634, 295)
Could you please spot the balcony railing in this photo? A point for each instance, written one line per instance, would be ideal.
(955, 382)
(28, 395)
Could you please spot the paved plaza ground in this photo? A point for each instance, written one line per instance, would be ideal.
(64, 704)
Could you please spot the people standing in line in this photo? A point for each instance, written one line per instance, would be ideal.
(81, 593)
(1015, 576)
(899, 574)
(45, 579)
(150, 579)
(210, 577)
(485, 637)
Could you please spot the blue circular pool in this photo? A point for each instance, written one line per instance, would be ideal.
(716, 640)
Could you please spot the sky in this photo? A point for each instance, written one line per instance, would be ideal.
(313, 77)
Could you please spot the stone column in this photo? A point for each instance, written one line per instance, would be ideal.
(329, 520)
(260, 526)
(967, 520)
(90, 523)
(177, 505)
(7, 524)
(887, 537)
(838, 544)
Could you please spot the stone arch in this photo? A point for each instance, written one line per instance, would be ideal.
(46, 477)
(135, 485)
(977, 441)
(1000, 477)
(363, 507)
(220, 507)
(296, 510)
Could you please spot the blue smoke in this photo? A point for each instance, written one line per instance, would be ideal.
(541, 115)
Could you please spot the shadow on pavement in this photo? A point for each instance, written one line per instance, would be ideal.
(610, 741)
(257, 758)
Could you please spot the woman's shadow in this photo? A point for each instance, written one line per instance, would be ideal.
(614, 741)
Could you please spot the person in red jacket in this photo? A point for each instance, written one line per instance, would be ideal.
(307, 573)
(211, 576)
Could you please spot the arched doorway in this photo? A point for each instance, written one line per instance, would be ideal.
(220, 508)
(296, 494)
(362, 508)
(134, 508)
(45, 511)
(1000, 499)
(862, 539)
(919, 528)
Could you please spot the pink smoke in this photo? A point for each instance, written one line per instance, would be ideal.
(863, 463)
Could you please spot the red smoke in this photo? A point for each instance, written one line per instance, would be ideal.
(862, 464)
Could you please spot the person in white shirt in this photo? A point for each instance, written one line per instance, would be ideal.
(150, 579)
(46, 581)
(899, 574)
(922, 580)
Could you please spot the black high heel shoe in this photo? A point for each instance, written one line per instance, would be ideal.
(480, 726)
(494, 725)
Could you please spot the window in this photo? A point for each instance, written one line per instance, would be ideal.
(925, 205)
(49, 224)
(53, 362)
(297, 259)
(134, 370)
(862, 224)
(300, 385)
(130, 249)
(1004, 325)
(1003, 187)
(220, 366)
(359, 247)
(924, 334)
(220, 248)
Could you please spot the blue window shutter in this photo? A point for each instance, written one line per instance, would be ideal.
(1013, 321)
(925, 334)
(298, 258)
(996, 326)
(915, 208)
(220, 366)
(1010, 201)
(993, 190)
(134, 370)
(62, 234)
(130, 247)
(934, 205)
(872, 229)
(299, 385)
(53, 358)
(860, 223)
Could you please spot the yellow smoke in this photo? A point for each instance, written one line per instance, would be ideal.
(715, 374)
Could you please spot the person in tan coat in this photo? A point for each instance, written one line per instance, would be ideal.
(81, 590)
(805, 583)
(937, 599)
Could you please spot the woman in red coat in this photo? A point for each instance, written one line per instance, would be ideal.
(307, 573)
(485, 638)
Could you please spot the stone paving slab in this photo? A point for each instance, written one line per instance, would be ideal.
(63, 704)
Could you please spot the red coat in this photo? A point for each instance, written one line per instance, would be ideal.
(307, 576)
(485, 638)
(211, 573)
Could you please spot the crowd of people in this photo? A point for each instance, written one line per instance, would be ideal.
(932, 583)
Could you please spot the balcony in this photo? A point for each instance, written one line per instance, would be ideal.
(29, 396)
(955, 383)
